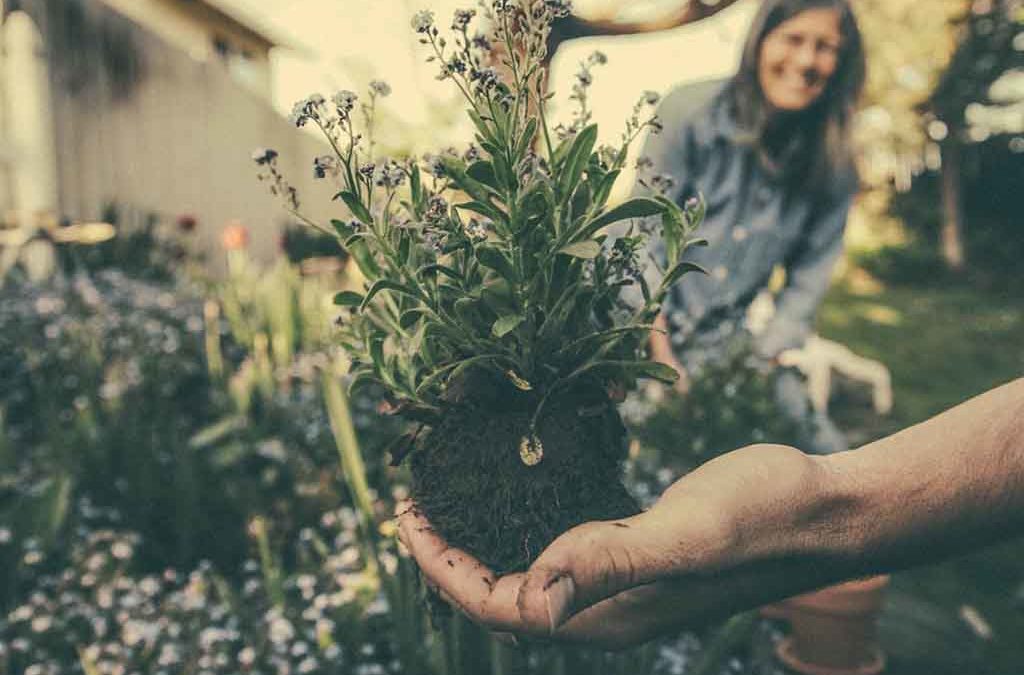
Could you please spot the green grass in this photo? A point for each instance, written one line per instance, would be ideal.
(942, 345)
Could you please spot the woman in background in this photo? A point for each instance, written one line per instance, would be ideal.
(770, 150)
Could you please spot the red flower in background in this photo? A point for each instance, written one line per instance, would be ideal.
(235, 236)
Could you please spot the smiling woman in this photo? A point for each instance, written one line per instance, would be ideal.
(799, 57)
(770, 150)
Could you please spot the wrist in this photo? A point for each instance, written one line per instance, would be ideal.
(813, 513)
(840, 513)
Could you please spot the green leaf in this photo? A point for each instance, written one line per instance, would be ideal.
(574, 296)
(654, 370)
(497, 296)
(410, 317)
(403, 250)
(604, 187)
(348, 299)
(355, 206)
(594, 340)
(377, 353)
(588, 250)
(353, 239)
(415, 188)
(500, 124)
(454, 369)
(491, 149)
(492, 258)
(475, 361)
(678, 271)
(639, 207)
(343, 229)
(365, 261)
(387, 284)
(454, 168)
(506, 324)
(671, 232)
(576, 160)
(484, 172)
(216, 432)
(466, 310)
(481, 126)
(526, 138)
(483, 209)
(628, 369)
(580, 202)
(434, 268)
(697, 217)
(694, 242)
(362, 378)
(503, 172)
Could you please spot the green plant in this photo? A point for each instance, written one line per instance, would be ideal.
(731, 403)
(494, 311)
(105, 394)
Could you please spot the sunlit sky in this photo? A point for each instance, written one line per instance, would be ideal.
(350, 42)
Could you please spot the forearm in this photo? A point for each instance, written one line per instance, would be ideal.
(946, 486)
(659, 343)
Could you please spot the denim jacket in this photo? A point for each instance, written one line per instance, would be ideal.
(752, 223)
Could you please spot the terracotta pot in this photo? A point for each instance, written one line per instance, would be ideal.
(833, 630)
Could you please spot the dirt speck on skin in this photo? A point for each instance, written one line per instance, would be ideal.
(470, 483)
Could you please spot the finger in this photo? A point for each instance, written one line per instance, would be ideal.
(468, 583)
(589, 563)
(402, 509)
(623, 620)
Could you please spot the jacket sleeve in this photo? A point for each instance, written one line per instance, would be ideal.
(808, 275)
(672, 152)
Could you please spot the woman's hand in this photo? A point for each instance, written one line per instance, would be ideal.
(686, 561)
(661, 351)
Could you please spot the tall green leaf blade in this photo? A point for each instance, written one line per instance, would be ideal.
(484, 172)
(587, 250)
(680, 268)
(355, 205)
(526, 138)
(506, 324)
(481, 126)
(576, 160)
(348, 299)
(434, 268)
(390, 285)
(638, 207)
(627, 369)
(492, 258)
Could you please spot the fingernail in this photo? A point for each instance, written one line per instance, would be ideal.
(559, 596)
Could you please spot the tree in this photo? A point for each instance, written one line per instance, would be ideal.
(988, 50)
(930, 63)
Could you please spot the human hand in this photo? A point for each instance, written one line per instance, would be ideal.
(712, 545)
(661, 351)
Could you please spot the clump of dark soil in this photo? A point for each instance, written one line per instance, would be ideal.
(470, 482)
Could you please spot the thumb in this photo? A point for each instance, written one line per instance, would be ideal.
(585, 565)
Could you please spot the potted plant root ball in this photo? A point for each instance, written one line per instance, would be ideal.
(494, 307)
